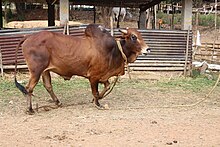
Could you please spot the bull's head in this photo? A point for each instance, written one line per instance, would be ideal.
(134, 44)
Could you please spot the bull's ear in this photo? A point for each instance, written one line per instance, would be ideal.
(124, 31)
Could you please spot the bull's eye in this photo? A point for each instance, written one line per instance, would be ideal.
(133, 37)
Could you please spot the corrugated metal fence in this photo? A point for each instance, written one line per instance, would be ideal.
(168, 48)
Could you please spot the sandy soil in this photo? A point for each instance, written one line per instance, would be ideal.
(36, 24)
(137, 117)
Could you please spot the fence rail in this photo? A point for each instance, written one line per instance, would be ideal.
(209, 52)
(168, 48)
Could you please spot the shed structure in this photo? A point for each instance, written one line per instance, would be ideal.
(143, 5)
(171, 50)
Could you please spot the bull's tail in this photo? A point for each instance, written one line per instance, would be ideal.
(18, 85)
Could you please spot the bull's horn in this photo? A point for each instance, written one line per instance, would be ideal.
(123, 31)
(101, 27)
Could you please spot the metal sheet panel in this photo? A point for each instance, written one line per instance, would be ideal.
(168, 48)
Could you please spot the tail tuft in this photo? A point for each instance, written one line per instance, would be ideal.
(20, 87)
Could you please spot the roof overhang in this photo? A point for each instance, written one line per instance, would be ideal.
(117, 3)
(143, 4)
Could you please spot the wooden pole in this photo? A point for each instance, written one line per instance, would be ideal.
(51, 13)
(1, 64)
(215, 14)
(172, 19)
(155, 16)
(142, 19)
(64, 12)
(1, 17)
(187, 52)
(118, 17)
(153, 21)
(111, 26)
(197, 19)
(94, 14)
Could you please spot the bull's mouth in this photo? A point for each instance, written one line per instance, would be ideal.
(146, 51)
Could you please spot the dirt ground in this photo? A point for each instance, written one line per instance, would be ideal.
(137, 116)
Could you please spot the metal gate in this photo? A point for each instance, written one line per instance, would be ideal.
(168, 48)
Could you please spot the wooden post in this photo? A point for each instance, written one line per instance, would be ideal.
(142, 19)
(94, 14)
(64, 12)
(155, 16)
(215, 14)
(51, 13)
(148, 17)
(172, 19)
(118, 19)
(186, 14)
(111, 26)
(187, 52)
(197, 19)
(1, 19)
(153, 20)
(1, 64)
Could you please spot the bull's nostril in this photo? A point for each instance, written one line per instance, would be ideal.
(148, 50)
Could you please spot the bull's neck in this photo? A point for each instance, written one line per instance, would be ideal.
(116, 57)
(124, 48)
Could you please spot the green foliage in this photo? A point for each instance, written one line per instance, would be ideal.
(208, 20)
(78, 88)
(198, 3)
(191, 84)
(204, 20)
(168, 17)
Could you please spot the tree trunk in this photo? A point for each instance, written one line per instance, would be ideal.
(105, 15)
(142, 19)
(20, 10)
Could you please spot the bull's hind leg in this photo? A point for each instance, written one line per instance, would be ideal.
(47, 84)
(29, 87)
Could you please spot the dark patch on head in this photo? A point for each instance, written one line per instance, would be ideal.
(95, 30)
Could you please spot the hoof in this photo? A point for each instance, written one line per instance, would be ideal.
(100, 107)
(30, 112)
(58, 103)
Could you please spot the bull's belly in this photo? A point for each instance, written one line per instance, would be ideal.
(102, 75)
(110, 74)
(67, 73)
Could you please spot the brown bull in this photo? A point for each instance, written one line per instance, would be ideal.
(94, 56)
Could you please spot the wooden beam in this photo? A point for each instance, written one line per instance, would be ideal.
(1, 19)
(1, 63)
(149, 5)
(51, 13)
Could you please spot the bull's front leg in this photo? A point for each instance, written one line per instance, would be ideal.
(106, 88)
(95, 92)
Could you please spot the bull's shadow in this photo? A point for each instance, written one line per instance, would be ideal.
(51, 106)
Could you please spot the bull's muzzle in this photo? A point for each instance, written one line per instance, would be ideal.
(146, 50)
